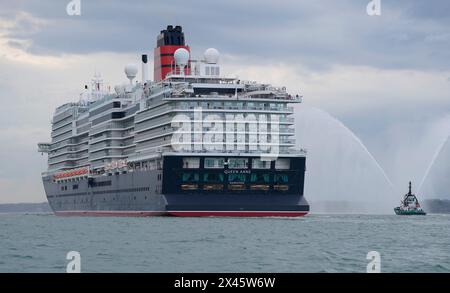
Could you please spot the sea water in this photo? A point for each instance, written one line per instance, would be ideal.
(315, 243)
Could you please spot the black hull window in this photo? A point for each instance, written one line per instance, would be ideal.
(190, 177)
(213, 177)
(236, 178)
(260, 178)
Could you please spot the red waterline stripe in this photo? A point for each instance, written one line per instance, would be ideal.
(236, 214)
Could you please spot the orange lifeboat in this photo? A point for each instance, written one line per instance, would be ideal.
(70, 173)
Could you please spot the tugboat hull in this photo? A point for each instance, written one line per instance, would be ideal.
(401, 212)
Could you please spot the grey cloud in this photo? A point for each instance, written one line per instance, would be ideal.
(315, 33)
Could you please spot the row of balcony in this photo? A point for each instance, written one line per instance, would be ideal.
(111, 126)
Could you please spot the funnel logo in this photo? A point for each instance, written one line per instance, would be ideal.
(228, 133)
(374, 8)
(74, 8)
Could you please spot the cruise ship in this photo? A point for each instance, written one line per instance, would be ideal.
(191, 142)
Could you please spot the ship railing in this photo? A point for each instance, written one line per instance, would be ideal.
(62, 130)
(226, 107)
(287, 130)
(156, 152)
(109, 126)
(284, 98)
(83, 128)
(287, 119)
(70, 149)
(101, 100)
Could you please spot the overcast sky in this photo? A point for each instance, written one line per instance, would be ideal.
(386, 78)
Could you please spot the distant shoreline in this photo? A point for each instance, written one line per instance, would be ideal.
(320, 207)
(42, 207)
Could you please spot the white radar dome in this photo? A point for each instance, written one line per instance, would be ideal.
(211, 56)
(131, 71)
(181, 56)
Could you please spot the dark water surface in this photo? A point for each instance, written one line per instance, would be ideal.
(316, 243)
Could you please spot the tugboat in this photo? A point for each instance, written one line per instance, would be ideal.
(409, 205)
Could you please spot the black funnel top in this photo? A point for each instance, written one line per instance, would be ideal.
(172, 36)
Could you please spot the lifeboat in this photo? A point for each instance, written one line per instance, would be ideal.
(71, 173)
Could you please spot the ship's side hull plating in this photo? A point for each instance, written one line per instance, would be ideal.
(140, 194)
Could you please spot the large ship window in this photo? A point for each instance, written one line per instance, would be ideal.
(263, 187)
(281, 187)
(235, 187)
(236, 182)
(235, 163)
(189, 186)
(189, 181)
(213, 181)
(260, 181)
(191, 163)
(260, 178)
(236, 178)
(281, 178)
(282, 164)
(189, 177)
(260, 164)
(281, 182)
(217, 163)
(213, 177)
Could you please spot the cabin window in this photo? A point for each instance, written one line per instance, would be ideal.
(236, 187)
(117, 115)
(189, 187)
(236, 178)
(260, 187)
(190, 177)
(213, 177)
(238, 163)
(260, 178)
(211, 187)
(260, 164)
(191, 163)
(282, 164)
(281, 178)
(217, 163)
